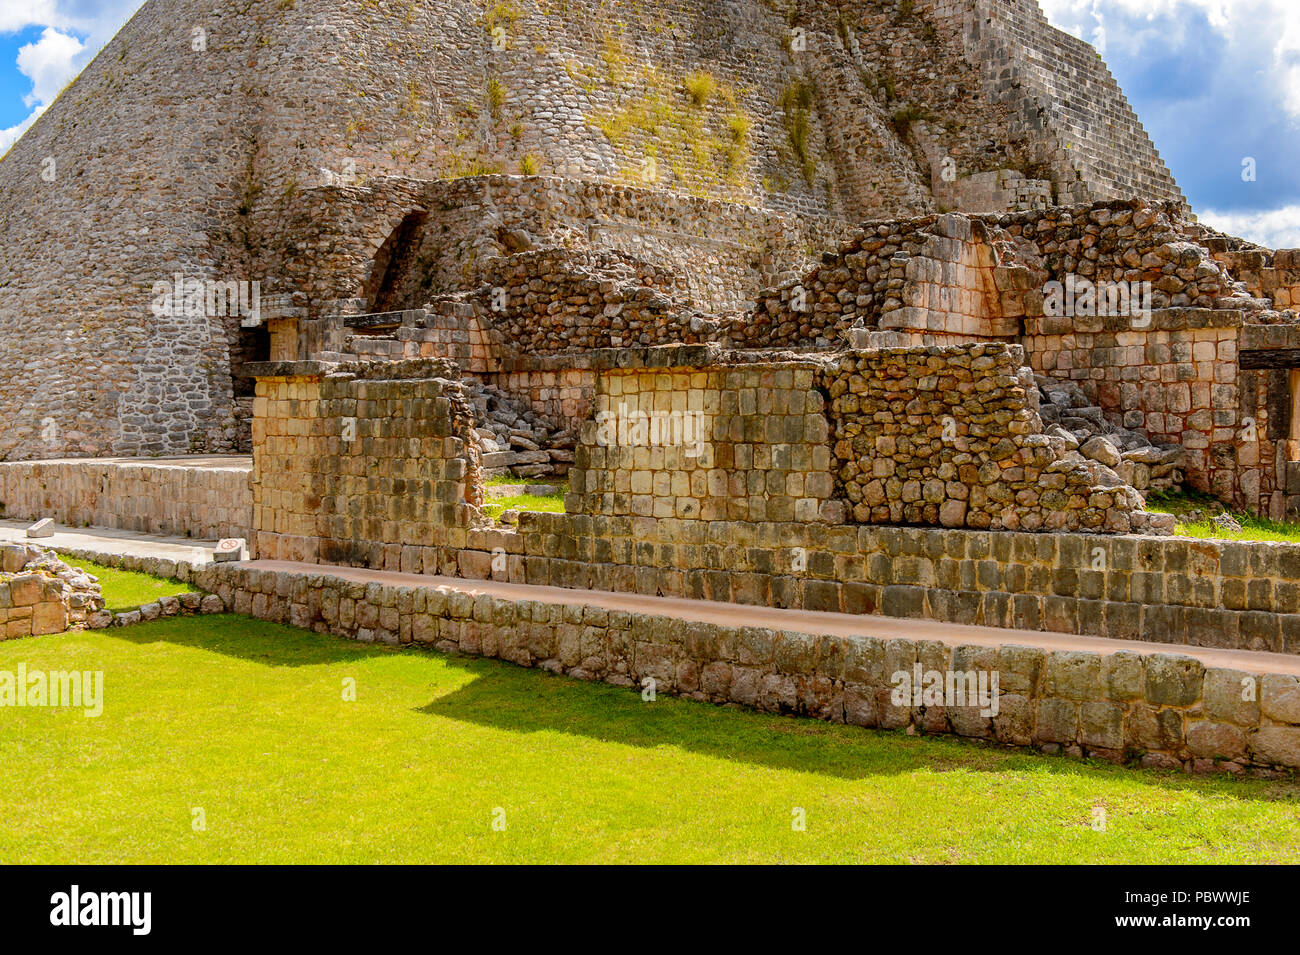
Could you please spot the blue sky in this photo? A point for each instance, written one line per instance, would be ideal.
(1215, 82)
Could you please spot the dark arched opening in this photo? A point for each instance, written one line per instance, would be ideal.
(248, 345)
(383, 290)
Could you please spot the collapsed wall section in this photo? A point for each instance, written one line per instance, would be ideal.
(952, 436)
(395, 243)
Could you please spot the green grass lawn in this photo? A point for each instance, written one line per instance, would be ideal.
(507, 480)
(247, 721)
(1180, 503)
(125, 589)
(525, 502)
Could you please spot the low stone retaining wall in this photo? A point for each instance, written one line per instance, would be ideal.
(179, 605)
(1206, 593)
(206, 502)
(1159, 710)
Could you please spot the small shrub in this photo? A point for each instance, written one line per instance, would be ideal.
(903, 119)
(700, 87)
(796, 102)
(530, 165)
(739, 125)
(496, 96)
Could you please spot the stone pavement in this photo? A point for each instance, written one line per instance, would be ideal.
(111, 542)
(801, 621)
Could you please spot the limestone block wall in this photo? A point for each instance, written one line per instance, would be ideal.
(1266, 453)
(208, 501)
(980, 277)
(935, 274)
(1166, 710)
(414, 515)
(353, 463)
(562, 389)
(745, 442)
(951, 436)
(557, 300)
(1230, 594)
(952, 285)
(1175, 377)
(447, 328)
(383, 508)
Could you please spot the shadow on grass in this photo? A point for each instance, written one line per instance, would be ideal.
(515, 699)
(257, 641)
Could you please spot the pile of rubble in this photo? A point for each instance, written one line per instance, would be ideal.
(515, 439)
(1068, 414)
(78, 591)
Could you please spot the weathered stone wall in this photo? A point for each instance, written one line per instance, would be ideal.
(93, 211)
(1237, 594)
(353, 464)
(205, 500)
(1060, 96)
(559, 388)
(1176, 379)
(744, 442)
(983, 277)
(557, 300)
(396, 243)
(1124, 241)
(937, 275)
(446, 329)
(300, 109)
(952, 436)
(1199, 592)
(1166, 710)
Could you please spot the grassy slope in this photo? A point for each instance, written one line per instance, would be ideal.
(125, 589)
(246, 720)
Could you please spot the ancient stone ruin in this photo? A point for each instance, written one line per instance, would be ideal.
(874, 307)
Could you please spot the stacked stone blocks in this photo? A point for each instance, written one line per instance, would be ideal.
(1161, 709)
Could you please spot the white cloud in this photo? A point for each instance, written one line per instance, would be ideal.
(1244, 24)
(1275, 228)
(60, 53)
(17, 15)
(49, 63)
(1066, 14)
(10, 136)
